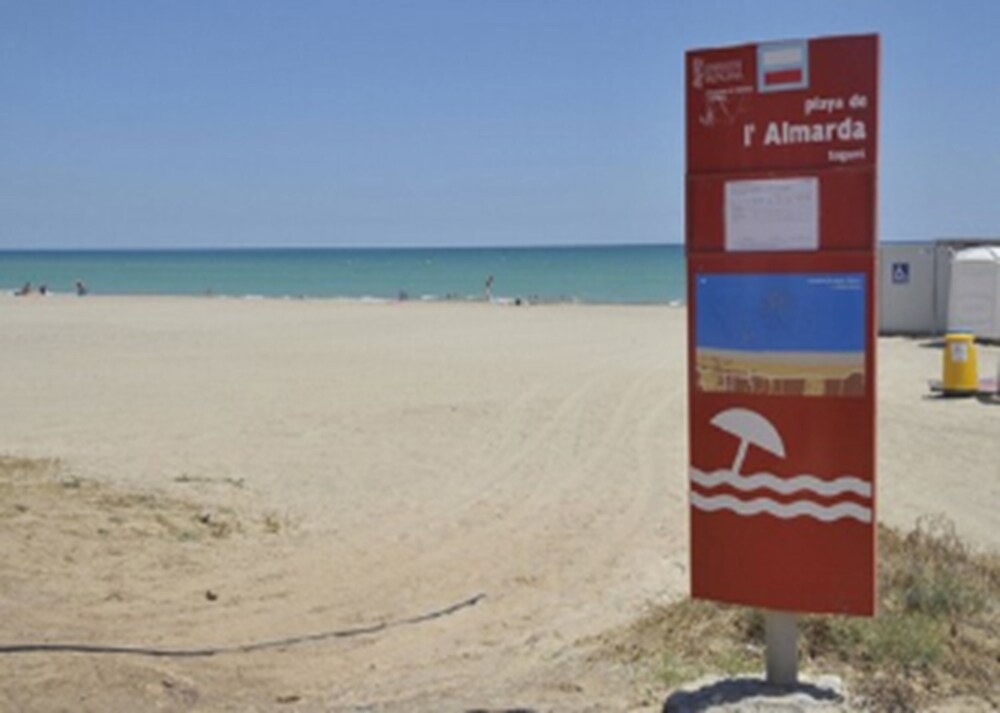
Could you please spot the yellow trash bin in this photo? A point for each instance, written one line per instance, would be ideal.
(960, 366)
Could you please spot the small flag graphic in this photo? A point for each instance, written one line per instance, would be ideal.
(782, 66)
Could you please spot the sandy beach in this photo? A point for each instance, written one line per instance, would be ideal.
(238, 471)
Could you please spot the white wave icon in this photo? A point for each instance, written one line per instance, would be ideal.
(785, 511)
(753, 429)
(785, 486)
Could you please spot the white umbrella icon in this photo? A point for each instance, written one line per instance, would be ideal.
(749, 427)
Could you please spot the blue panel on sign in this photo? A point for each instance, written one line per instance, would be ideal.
(796, 312)
(781, 334)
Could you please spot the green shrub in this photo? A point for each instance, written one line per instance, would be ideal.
(936, 633)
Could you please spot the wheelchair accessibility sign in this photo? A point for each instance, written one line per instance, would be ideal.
(900, 273)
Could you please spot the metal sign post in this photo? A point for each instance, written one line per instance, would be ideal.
(780, 239)
(781, 637)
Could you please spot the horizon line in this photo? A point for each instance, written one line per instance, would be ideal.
(493, 246)
(237, 248)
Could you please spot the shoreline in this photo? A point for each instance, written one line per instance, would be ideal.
(500, 301)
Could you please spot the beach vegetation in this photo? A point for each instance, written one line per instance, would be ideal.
(274, 523)
(935, 637)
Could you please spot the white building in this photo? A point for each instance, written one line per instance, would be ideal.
(915, 284)
(907, 289)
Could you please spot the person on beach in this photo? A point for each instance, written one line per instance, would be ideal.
(25, 290)
(489, 288)
(81, 288)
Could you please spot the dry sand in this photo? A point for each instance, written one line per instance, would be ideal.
(233, 471)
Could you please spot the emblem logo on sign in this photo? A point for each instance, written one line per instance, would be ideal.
(900, 273)
(698, 74)
(782, 66)
(724, 72)
(752, 429)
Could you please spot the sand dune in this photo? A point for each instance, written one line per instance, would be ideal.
(374, 462)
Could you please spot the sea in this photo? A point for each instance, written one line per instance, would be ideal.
(619, 274)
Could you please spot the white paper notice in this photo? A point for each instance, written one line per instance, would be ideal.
(772, 214)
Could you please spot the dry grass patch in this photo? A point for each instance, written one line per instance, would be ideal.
(937, 635)
(44, 488)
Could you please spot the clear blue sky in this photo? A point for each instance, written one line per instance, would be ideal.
(198, 123)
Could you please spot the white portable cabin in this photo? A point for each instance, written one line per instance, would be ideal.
(974, 295)
(908, 289)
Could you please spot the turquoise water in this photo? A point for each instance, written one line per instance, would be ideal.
(603, 274)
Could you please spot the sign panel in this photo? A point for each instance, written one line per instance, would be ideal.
(782, 105)
(772, 214)
(780, 238)
(791, 334)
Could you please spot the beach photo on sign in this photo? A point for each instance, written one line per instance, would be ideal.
(781, 334)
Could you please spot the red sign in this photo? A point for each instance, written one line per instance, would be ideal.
(794, 104)
(781, 149)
